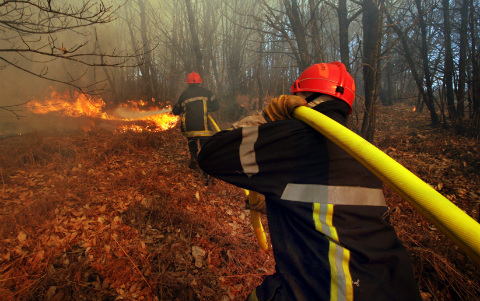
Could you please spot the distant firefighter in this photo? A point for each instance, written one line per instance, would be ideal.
(193, 106)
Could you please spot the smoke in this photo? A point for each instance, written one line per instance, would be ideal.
(64, 71)
(53, 123)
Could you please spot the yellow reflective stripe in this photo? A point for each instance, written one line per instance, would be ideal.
(203, 98)
(331, 255)
(198, 133)
(316, 217)
(205, 114)
(253, 296)
(341, 288)
(348, 276)
(184, 124)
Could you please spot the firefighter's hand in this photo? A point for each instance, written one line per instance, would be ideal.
(282, 108)
(259, 206)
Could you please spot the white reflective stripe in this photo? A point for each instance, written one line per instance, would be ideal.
(336, 195)
(247, 150)
(341, 277)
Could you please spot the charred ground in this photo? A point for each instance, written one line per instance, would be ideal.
(101, 216)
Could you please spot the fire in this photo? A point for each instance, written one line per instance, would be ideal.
(164, 121)
(82, 105)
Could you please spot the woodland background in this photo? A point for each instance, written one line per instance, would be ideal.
(139, 49)
(103, 215)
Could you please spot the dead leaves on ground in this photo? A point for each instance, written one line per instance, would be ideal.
(120, 217)
(450, 164)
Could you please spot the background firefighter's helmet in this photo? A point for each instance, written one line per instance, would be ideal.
(332, 79)
(194, 78)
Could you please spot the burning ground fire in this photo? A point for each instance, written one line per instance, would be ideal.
(82, 105)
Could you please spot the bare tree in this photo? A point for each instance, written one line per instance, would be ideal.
(462, 61)
(317, 51)
(415, 46)
(475, 77)
(448, 73)
(344, 21)
(34, 33)
(386, 86)
(372, 33)
(192, 23)
(148, 71)
(408, 52)
(299, 29)
(429, 100)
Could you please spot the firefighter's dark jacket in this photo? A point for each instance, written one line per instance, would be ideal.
(194, 104)
(327, 217)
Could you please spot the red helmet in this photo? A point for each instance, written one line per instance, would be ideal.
(194, 78)
(332, 79)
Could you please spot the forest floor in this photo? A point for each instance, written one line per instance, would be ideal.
(98, 215)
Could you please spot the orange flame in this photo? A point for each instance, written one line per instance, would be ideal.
(94, 107)
(83, 105)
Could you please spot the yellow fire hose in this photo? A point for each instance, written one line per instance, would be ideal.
(254, 215)
(256, 221)
(213, 123)
(447, 217)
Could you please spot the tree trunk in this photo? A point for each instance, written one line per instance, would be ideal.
(258, 71)
(388, 96)
(429, 100)
(291, 8)
(150, 76)
(386, 87)
(372, 33)
(318, 56)
(145, 73)
(448, 73)
(343, 25)
(211, 67)
(462, 61)
(198, 66)
(475, 82)
(110, 75)
(408, 55)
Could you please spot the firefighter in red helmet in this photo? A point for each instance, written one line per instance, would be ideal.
(327, 217)
(193, 106)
